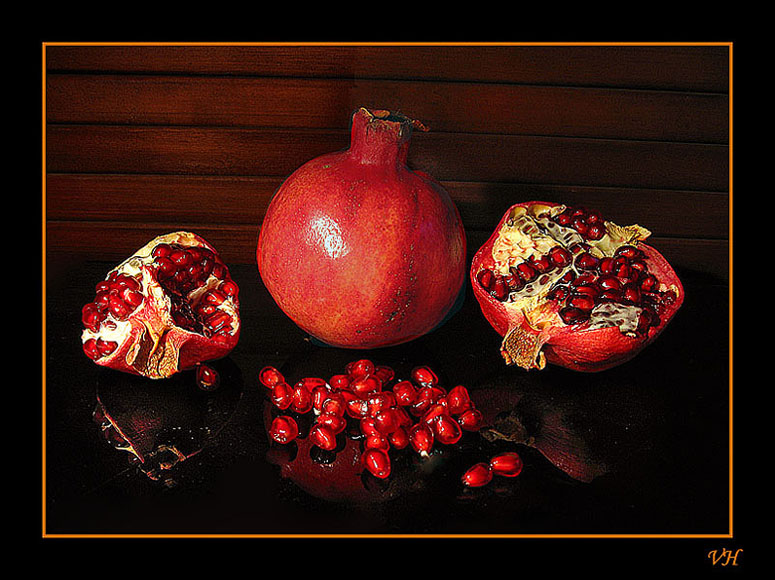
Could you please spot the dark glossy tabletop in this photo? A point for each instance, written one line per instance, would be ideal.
(640, 449)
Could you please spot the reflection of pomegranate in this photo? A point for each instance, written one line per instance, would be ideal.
(358, 250)
(168, 307)
(565, 286)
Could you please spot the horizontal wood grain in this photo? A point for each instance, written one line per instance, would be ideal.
(443, 106)
(116, 241)
(244, 200)
(694, 68)
(446, 156)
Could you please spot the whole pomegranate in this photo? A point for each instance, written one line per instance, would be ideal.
(168, 307)
(562, 285)
(357, 249)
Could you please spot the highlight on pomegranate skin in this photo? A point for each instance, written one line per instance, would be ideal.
(565, 286)
(167, 308)
(359, 250)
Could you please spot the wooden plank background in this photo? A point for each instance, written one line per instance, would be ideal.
(142, 140)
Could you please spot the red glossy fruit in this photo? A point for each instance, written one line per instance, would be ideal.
(357, 249)
(270, 376)
(163, 310)
(508, 464)
(207, 377)
(477, 475)
(323, 436)
(421, 438)
(600, 300)
(471, 420)
(458, 400)
(284, 429)
(446, 430)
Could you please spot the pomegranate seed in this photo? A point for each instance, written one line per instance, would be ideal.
(132, 297)
(631, 294)
(579, 247)
(357, 408)
(584, 279)
(424, 376)
(586, 261)
(606, 265)
(559, 256)
(541, 264)
(360, 368)
(161, 251)
(471, 420)
(282, 395)
(106, 347)
(218, 319)
(206, 377)
(90, 348)
(629, 252)
(334, 405)
(426, 396)
(421, 438)
(376, 441)
(311, 383)
(365, 386)
(580, 225)
(587, 290)
(649, 283)
(386, 421)
(526, 272)
(323, 437)
(458, 400)
(581, 301)
(434, 412)
(513, 281)
(609, 282)
(336, 423)
(181, 258)
(301, 400)
(381, 401)
(595, 232)
(611, 295)
(270, 376)
(118, 307)
(399, 438)
(508, 464)
(477, 475)
(405, 393)
(447, 430)
(594, 217)
(558, 293)
(573, 315)
(368, 426)
(214, 297)
(339, 382)
(229, 288)
(485, 278)
(91, 316)
(320, 395)
(500, 289)
(377, 462)
(564, 219)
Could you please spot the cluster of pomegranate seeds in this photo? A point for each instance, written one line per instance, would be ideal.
(508, 464)
(413, 413)
(116, 298)
(588, 223)
(181, 270)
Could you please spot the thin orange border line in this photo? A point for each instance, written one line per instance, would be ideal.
(541, 536)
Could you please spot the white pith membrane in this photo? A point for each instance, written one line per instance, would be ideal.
(530, 231)
(148, 356)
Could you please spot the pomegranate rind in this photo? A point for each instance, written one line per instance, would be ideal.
(358, 250)
(150, 344)
(533, 339)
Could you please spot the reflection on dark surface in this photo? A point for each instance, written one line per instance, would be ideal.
(161, 423)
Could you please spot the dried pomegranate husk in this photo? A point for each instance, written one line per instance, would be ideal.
(169, 306)
(522, 283)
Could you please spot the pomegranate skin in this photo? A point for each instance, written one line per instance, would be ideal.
(575, 348)
(359, 250)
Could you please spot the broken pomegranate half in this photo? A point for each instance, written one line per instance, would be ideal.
(563, 285)
(168, 307)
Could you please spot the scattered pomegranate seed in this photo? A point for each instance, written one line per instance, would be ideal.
(477, 475)
(508, 464)
(424, 376)
(421, 438)
(270, 376)
(282, 395)
(284, 429)
(323, 436)
(377, 462)
(471, 420)
(207, 377)
(360, 368)
(447, 430)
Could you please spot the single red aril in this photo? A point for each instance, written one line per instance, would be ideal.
(207, 377)
(447, 431)
(377, 462)
(334, 405)
(319, 396)
(339, 382)
(368, 426)
(311, 383)
(405, 393)
(323, 436)
(154, 315)
(284, 429)
(282, 395)
(363, 387)
(471, 420)
(360, 369)
(508, 464)
(424, 377)
(336, 423)
(376, 441)
(382, 275)
(421, 438)
(399, 438)
(607, 296)
(458, 400)
(477, 475)
(301, 399)
(384, 373)
(270, 376)
(381, 401)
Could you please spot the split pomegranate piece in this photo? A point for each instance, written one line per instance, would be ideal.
(562, 285)
(165, 309)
